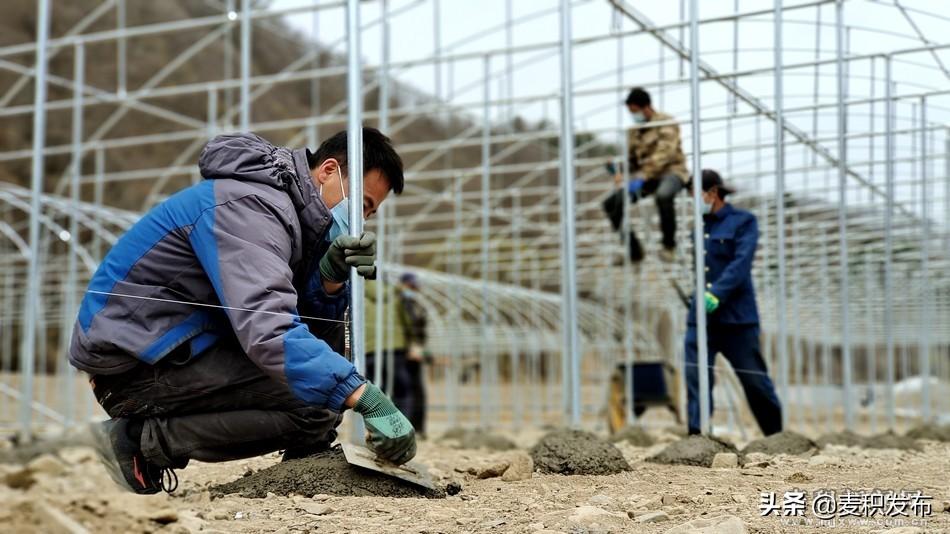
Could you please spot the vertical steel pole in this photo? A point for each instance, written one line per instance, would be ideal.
(570, 363)
(437, 44)
(700, 256)
(780, 303)
(452, 387)
(826, 364)
(842, 216)
(870, 344)
(245, 65)
(354, 156)
(69, 307)
(228, 59)
(28, 351)
(817, 81)
(509, 61)
(625, 231)
(313, 131)
(121, 51)
(485, 241)
(924, 309)
(98, 194)
(212, 112)
(517, 396)
(383, 106)
(888, 242)
(732, 103)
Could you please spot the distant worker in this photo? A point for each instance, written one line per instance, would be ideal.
(657, 166)
(732, 319)
(205, 329)
(414, 317)
(403, 346)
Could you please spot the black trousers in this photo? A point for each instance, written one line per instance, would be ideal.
(740, 345)
(664, 189)
(215, 408)
(408, 391)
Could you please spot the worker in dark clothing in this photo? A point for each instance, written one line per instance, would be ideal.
(414, 317)
(205, 329)
(732, 320)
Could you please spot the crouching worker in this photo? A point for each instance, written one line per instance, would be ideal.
(204, 331)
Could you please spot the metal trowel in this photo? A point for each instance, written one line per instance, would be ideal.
(413, 472)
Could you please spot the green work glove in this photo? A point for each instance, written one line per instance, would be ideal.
(348, 251)
(711, 302)
(390, 434)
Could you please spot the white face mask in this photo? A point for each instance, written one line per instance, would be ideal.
(638, 117)
(706, 208)
(340, 212)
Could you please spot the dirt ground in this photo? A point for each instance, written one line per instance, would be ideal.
(68, 491)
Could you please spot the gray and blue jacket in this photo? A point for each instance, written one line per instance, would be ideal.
(247, 241)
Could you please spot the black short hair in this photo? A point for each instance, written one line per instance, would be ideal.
(378, 153)
(638, 97)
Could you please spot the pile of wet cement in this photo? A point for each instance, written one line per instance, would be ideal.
(932, 432)
(634, 435)
(844, 439)
(693, 450)
(889, 440)
(574, 452)
(879, 441)
(326, 473)
(478, 439)
(786, 442)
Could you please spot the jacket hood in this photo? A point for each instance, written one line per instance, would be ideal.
(248, 157)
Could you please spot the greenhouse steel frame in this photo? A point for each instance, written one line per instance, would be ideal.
(848, 266)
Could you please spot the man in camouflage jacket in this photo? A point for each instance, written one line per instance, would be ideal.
(656, 153)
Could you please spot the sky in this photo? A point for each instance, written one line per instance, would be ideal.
(875, 27)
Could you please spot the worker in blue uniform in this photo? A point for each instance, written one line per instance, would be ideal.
(732, 319)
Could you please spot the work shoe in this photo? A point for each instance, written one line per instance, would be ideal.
(123, 459)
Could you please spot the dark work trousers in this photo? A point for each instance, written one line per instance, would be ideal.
(408, 391)
(613, 206)
(666, 191)
(215, 408)
(740, 345)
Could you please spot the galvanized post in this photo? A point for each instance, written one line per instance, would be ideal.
(571, 350)
(452, 389)
(625, 233)
(313, 130)
(245, 65)
(98, 193)
(69, 302)
(780, 303)
(924, 308)
(888, 243)
(28, 341)
(485, 241)
(121, 51)
(700, 256)
(383, 106)
(354, 156)
(842, 216)
(228, 59)
(870, 345)
(212, 111)
(509, 62)
(516, 397)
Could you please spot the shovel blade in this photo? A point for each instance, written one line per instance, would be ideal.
(412, 472)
